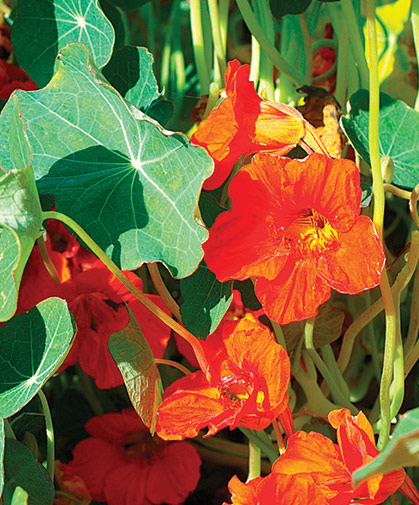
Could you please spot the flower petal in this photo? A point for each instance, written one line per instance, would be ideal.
(295, 294)
(115, 426)
(126, 484)
(174, 474)
(93, 459)
(245, 494)
(356, 264)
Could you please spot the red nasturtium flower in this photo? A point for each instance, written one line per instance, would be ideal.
(13, 77)
(246, 384)
(315, 470)
(244, 124)
(122, 464)
(295, 225)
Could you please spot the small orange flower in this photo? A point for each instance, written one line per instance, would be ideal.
(295, 225)
(315, 470)
(244, 124)
(246, 384)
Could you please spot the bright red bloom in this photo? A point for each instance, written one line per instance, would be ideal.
(315, 470)
(13, 77)
(295, 225)
(123, 464)
(72, 485)
(246, 384)
(244, 124)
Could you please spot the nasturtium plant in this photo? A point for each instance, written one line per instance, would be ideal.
(43, 27)
(132, 185)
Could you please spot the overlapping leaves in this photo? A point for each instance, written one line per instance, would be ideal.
(20, 210)
(130, 184)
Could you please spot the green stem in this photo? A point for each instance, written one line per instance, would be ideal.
(279, 334)
(392, 321)
(337, 394)
(356, 40)
(157, 311)
(254, 461)
(266, 86)
(261, 439)
(223, 8)
(412, 333)
(270, 50)
(162, 290)
(219, 51)
(168, 40)
(415, 29)
(308, 49)
(330, 362)
(174, 364)
(402, 280)
(341, 71)
(198, 46)
(50, 434)
(48, 264)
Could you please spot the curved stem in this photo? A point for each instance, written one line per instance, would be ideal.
(183, 332)
(46, 260)
(162, 290)
(278, 435)
(337, 394)
(412, 333)
(50, 434)
(219, 52)
(174, 364)
(272, 53)
(413, 205)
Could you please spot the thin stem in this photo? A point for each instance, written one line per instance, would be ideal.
(183, 332)
(219, 52)
(48, 264)
(402, 280)
(50, 434)
(279, 334)
(198, 46)
(356, 40)
(337, 394)
(413, 205)
(174, 364)
(162, 290)
(412, 333)
(266, 85)
(330, 362)
(213, 96)
(278, 435)
(415, 29)
(341, 71)
(392, 321)
(223, 9)
(254, 461)
(261, 439)
(272, 53)
(308, 50)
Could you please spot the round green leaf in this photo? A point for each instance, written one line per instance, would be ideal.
(399, 139)
(132, 185)
(43, 27)
(9, 260)
(21, 469)
(33, 344)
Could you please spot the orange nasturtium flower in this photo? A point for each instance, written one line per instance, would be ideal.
(246, 384)
(295, 225)
(244, 124)
(315, 470)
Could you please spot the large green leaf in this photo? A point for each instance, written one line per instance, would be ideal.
(2, 439)
(401, 451)
(43, 27)
(130, 71)
(119, 23)
(33, 344)
(205, 299)
(21, 469)
(20, 209)
(399, 139)
(130, 184)
(135, 361)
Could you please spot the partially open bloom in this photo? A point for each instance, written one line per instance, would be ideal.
(315, 470)
(246, 384)
(295, 225)
(121, 463)
(244, 124)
